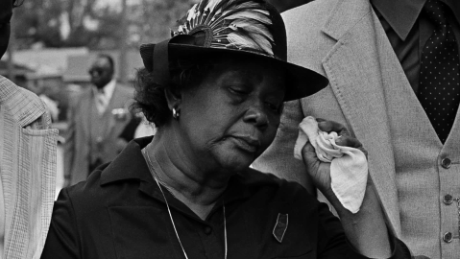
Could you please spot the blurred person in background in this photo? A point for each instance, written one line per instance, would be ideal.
(100, 122)
(27, 162)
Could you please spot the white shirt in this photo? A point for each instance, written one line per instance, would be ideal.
(104, 95)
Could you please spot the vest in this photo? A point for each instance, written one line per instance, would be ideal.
(427, 172)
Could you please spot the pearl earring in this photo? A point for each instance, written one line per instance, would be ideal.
(175, 113)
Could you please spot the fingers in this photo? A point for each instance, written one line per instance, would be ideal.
(348, 141)
(344, 137)
(308, 153)
(317, 170)
(329, 126)
(320, 120)
(309, 157)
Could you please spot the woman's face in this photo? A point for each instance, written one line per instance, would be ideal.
(232, 116)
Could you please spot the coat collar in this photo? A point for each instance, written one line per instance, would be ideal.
(129, 164)
(344, 16)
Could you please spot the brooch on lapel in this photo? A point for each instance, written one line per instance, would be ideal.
(120, 114)
(281, 226)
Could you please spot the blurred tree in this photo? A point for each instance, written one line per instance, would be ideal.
(152, 20)
(75, 23)
(53, 23)
(38, 21)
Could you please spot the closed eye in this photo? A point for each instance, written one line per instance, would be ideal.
(239, 91)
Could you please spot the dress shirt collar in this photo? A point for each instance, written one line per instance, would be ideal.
(401, 15)
(108, 89)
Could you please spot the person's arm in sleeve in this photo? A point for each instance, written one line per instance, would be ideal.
(333, 243)
(366, 229)
(62, 240)
(279, 157)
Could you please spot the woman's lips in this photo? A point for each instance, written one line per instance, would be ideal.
(248, 144)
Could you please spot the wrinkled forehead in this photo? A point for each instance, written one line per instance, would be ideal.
(6, 10)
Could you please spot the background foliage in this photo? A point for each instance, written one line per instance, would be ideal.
(76, 23)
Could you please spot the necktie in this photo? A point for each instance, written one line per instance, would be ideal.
(100, 101)
(439, 91)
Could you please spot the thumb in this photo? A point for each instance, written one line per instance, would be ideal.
(309, 157)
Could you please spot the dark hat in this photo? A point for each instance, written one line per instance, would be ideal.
(252, 28)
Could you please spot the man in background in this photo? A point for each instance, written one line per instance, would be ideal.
(393, 68)
(27, 163)
(100, 122)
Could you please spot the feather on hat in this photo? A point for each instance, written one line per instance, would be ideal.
(242, 27)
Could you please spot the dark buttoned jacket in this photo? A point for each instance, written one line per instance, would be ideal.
(119, 212)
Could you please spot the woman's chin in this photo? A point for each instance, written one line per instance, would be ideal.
(237, 162)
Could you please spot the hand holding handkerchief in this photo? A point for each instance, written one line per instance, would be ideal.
(349, 168)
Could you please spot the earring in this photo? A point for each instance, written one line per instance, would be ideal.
(175, 113)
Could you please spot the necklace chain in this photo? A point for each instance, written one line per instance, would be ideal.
(155, 176)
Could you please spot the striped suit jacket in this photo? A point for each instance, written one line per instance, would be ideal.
(27, 170)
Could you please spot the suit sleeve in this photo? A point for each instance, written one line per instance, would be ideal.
(279, 158)
(333, 243)
(69, 146)
(62, 239)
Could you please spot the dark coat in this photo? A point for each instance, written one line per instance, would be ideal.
(119, 212)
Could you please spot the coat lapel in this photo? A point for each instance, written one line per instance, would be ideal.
(353, 69)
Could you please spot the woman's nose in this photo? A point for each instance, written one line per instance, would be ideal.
(257, 116)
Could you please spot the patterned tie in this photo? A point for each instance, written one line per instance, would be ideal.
(439, 91)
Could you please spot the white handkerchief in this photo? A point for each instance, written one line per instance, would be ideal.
(349, 167)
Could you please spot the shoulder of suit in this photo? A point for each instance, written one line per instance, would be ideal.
(307, 44)
(24, 105)
(309, 16)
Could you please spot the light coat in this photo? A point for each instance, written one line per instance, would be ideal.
(370, 94)
(27, 168)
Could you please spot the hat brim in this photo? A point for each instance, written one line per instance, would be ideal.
(301, 82)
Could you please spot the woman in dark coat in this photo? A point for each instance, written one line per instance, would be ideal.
(215, 91)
